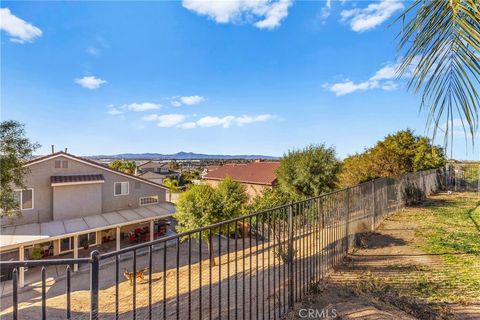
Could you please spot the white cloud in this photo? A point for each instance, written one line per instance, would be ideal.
(382, 79)
(19, 30)
(188, 125)
(263, 14)
(139, 107)
(389, 85)
(227, 121)
(386, 73)
(348, 86)
(170, 120)
(93, 51)
(150, 117)
(191, 100)
(99, 44)
(188, 100)
(165, 120)
(90, 82)
(112, 110)
(326, 10)
(210, 121)
(179, 120)
(372, 16)
(249, 119)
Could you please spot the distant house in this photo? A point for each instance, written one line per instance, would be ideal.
(208, 169)
(256, 175)
(153, 176)
(71, 203)
(161, 169)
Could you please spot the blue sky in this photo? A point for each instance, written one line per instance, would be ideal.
(210, 77)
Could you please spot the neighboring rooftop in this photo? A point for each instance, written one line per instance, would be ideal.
(257, 172)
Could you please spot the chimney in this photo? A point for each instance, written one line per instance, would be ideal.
(53, 148)
(66, 149)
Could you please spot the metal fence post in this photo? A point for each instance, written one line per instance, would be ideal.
(373, 204)
(94, 271)
(347, 219)
(290, 257)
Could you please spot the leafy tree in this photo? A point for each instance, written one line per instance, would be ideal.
(233, 196)
(203, 205)
(15, 150)
(173, 165)
(308, 172)
(269, 198)
(395, 155)
(356, 169)
(188, 176)
(125, 166)
(172, 186)
(441, 41)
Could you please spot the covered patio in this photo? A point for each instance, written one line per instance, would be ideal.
(104, 232)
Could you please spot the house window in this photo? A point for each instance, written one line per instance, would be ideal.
(61, 164)
(148, 200)
(121, 188)
(66, 244)
(24, 198)
(90, 238)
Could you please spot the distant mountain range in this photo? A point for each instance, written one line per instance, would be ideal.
(180, 156)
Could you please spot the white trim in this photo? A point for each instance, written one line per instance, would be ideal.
(99, 166)
(88, 238)
(59, 184)
(67, 235)
(70, 243)
(121, 188)
(21, 198)
(146, 204)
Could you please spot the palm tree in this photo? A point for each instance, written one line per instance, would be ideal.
(172, 185)
(440, 43)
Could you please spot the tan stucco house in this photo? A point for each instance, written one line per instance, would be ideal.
(157, 171)
(71, 202)
(256, 175)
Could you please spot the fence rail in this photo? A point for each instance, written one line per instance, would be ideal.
(252, 267)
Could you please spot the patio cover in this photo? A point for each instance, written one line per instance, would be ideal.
(28, 234)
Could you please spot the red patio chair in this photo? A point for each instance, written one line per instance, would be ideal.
(133, 237)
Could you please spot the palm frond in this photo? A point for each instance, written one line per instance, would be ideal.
(440, 40)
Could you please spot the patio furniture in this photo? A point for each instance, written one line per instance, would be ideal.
(162, 230)
(133, 237)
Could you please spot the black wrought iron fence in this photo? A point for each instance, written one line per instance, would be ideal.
(253, 267)
(463, 176)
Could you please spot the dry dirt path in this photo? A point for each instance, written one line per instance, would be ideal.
(376, 280)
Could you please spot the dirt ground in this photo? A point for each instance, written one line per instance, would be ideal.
(374, 281)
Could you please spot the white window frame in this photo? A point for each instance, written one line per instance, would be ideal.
(121, 188)
(146, 204)
(71, 244)
(88, 239)
(21, 198)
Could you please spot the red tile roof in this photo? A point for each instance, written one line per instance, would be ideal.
(254, 172)
(77, 178)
